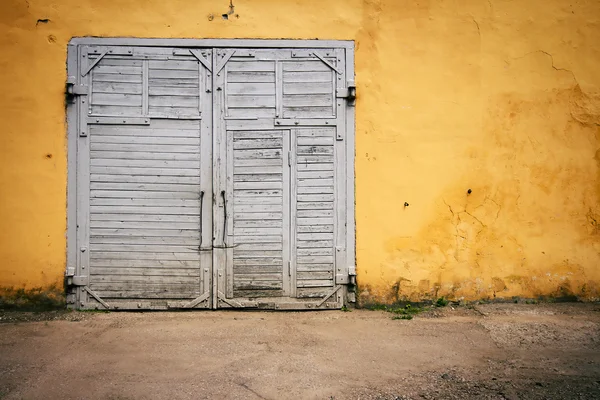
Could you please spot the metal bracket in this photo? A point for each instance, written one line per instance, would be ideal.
(334, 291)
(348, 93)
(201, 57)
(197, 300)
(232, 303)
(97, 120)
(304, 122)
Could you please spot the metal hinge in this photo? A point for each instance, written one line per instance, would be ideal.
(348, 93)
(289, 158)
(76, 280)
(73, 89)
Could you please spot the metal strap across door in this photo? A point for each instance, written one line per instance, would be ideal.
(210, 177)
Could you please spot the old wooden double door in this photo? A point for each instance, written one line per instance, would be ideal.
(205, 175)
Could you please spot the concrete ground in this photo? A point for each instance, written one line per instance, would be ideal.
(501, 351)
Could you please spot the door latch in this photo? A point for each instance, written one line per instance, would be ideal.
(348, 93)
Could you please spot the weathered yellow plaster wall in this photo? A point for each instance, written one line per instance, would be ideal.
(500, 97)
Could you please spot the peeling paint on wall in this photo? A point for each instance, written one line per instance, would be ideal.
(501, 98)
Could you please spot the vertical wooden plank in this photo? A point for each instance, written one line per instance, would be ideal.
(229, 227)
(278, 89)
(293, 212)
(145, 87)
(219, 179)
(206, 179)
(286, 232)
(72, 129)
(350, 174)
(340, 173)
(83, 181)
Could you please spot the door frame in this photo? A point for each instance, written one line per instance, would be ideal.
(72, 117)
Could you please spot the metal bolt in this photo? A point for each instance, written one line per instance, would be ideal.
(326, 122)
(83, 101)
(278, 123)
(97, 120)
(83, 56)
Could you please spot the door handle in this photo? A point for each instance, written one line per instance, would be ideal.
(201, 209)
(224, 217)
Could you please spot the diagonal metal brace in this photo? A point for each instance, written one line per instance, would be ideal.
(221, 63)
(334, 291)
(330, 65)
(197, 300)
(95, 296)
(92, 65)
(231, 302)
(202, 59)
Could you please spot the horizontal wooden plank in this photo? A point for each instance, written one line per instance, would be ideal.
(241, 239)
(315, 205)
(314, 236)
(146, 240)
(308, 88)
(173, 82)
(315, 167)
(173, 112)
(256, 269)
(327, 182)
(136, 179)
(253, 294)
(117, 99)
(314, 178)
(254, 66)
(314, 150)
(250, 76)
(102, 77)
(305, 66)
(140, 155)
(307, 112)
(257, 231)
(101, 68)
(261, 144)
(117, 87)
(307, 77)
(250, 101)
(111, 60)
(145, 171)
(144, 272)
(245, 113)
(258, 185)
(315, 197)
(314, 275)
(262, 276)
(118, 111)
(315, 132)
(120, 280)
(141, 194)
(314, 228)
(253, 162)
(249, 223)
(315, 190)
(304, 100)
(314, 221)
(173, 101)
(173, 64)
(145, 218)
(259, 246)
(259, 170)
(258, 193)
(170, 91)
(172, 73)
(254, 253)
(255, 285)
(141, 248)
(142, 265)
(128, 232)
(145, 225)
(314, 259)
(313, 293)
(262, 88)
(254, 134)
(270, 208)
(169, 202)
(325, 251)
(114, 255)
(164, 148)
(115, 162)
(307, 244)
(146, 140)
(145, 210)
(259, 154)
(315, 213)
(257, 200)
(107, 290)
(315, 283)
(314, 159)
(314, 267)
(275, 261)
(263, 216)
(315, 141)
(152, 187)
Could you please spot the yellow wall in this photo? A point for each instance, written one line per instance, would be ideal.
(501, 97)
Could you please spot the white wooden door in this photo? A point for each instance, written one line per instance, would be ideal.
(209, 177)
